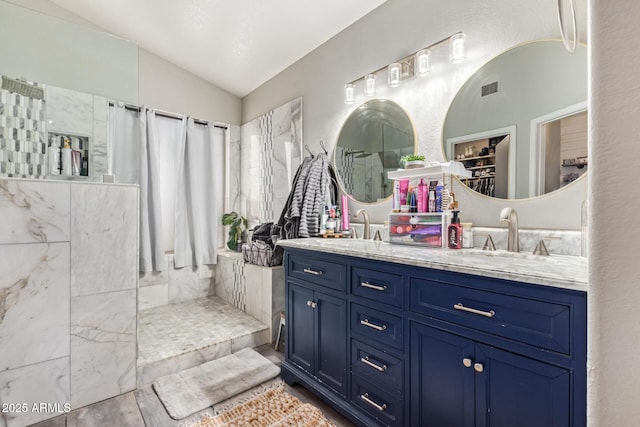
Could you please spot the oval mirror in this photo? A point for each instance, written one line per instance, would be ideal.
(371, 142)
(519, 124)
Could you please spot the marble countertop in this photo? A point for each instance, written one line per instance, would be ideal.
(569, 272)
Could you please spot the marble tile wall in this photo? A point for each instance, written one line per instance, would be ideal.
(234, 174)
(67, 293)
(271, 152)
(174, 284)
(22, 136)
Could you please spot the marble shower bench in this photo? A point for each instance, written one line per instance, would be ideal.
(254, 289)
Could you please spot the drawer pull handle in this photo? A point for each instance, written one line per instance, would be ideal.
(375, 287)
(365, 322)
(461, 307)
(314, 272)
(366, 361)
(380, 408)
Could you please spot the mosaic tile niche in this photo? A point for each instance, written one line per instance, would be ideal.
(28, 126)
(22, 136)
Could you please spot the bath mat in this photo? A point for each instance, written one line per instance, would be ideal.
(271, 408)
(194, 389)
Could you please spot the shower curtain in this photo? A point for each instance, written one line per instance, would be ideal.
(200, 189)
(151, 235)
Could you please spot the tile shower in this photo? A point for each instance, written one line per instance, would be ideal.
(73, 300)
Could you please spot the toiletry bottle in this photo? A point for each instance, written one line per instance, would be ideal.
(467, 235)
(422, 196)
(404, 188)
(396, 196)
(66, 158)
(432, 200)
(338, 227)
(331, 220)
(454, 232)
(439, 198)
(76, 162)
(446, 199)
(345, 212)
(323, 221)
(413, 201)
(54, 158)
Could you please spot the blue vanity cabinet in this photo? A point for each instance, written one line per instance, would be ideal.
(316, 310)
(457, 382)
(389, 344)
(377, 322)
(490, 352)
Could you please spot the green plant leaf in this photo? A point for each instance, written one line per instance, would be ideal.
(228, 218)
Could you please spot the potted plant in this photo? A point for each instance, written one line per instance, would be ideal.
(411, 161)
(237, 228)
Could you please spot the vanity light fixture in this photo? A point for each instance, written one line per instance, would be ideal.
(370, 85)
(394, 70)
(422, 62)
(349, 93)
(416, 64)
(456, 48)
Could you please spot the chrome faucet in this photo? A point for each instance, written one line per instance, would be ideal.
(509, 215)
(367, 227)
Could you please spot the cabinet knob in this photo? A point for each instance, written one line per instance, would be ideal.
(479, 367)
(314, 304)
(308, 303)
(467, 362)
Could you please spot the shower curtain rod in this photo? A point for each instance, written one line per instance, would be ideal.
(171, 115)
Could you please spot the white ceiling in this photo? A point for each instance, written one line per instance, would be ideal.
(235, 44)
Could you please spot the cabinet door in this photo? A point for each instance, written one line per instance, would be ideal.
(300, 327)
(331, 341)
(513, 390)
(442, 386)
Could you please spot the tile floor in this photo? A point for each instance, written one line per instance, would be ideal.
(175, 329)
(175, 337)
(142, 408)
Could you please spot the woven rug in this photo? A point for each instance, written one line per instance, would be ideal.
(194, 389)
(271, 406)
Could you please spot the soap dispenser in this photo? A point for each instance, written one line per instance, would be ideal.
(454, 232)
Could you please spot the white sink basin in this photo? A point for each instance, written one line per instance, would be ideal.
(502, 254)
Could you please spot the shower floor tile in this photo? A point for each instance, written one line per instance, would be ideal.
(178, 336)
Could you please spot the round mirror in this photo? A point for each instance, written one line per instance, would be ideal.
(371, 142)
(519, 124)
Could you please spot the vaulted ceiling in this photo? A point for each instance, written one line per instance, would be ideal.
(236, 45)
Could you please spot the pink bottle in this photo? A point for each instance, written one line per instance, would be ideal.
(422, 196)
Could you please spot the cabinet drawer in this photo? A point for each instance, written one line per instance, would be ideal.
(376, 325)
(383, 369)
(377, 285)
(539, 323)
(377, 403)
(316, 270)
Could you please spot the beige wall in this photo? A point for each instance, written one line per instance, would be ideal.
(168, 87)
(614, 319)
(398, 28)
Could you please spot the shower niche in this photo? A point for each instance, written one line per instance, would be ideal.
(68, 156)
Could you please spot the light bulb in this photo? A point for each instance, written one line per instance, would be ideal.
(370, 85)
(349, 93)
(456, 48)
(394, 74)
(422, 62)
